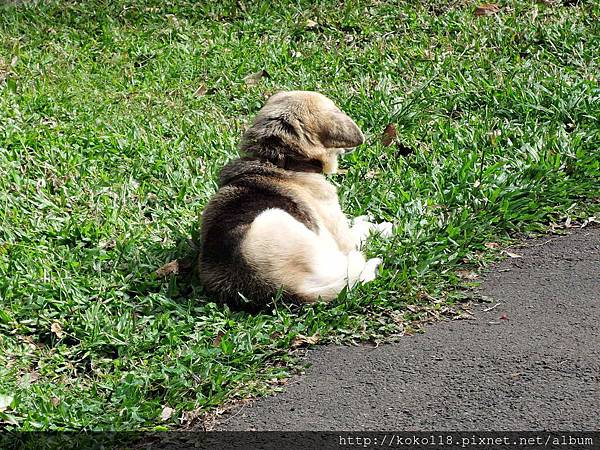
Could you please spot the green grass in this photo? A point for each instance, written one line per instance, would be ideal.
(107, 156)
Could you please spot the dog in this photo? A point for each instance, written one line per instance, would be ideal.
(275, 226)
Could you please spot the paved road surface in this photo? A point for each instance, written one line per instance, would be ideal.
(538, 370)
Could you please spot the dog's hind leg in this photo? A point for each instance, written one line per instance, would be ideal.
(286, 253)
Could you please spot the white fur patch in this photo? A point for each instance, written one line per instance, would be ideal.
(285, 252)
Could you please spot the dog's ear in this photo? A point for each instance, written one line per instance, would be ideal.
(337, 130)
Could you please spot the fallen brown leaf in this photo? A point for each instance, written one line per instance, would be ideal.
(311, 24)
(511, 254)
(201, 91)
(30, 377)
(170, 268)
(173, 21)
(254, 78)
(166, 413)
(301, 340)
(487, 9)
(55, 401)
(218, 338)
(467, 274)
(189, 417)
(492, 245)
(9, 420)
(389, 135)
(278, 381)
(57, 330)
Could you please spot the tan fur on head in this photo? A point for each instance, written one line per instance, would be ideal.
(301, 124)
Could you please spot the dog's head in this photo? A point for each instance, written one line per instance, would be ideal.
(301, 124)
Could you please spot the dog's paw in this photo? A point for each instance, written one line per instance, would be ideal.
(384, 229)
(360, 219)
(369, 272)
(361, 231)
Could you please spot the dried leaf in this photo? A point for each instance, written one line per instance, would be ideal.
(57, 330)
(188, 417)
(218, 338)
(492, 307)
(166, 413)
(201, 91)
(9, 419)
(254, 78)
(107, 245)
(389, 135)
(589, 220)
(30, 377)
(5, 402)
(467, 274)
(311, 24)
(278, 381)
(511, 254)
(301, 340)
(55, 401)
(169, 268)
(173, 21)
(487, 9)
(492, 245)
(241, 5)
(14, 61)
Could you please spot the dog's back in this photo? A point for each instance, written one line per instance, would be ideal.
(247, 188)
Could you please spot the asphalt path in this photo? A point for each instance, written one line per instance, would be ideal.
(532, 362)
